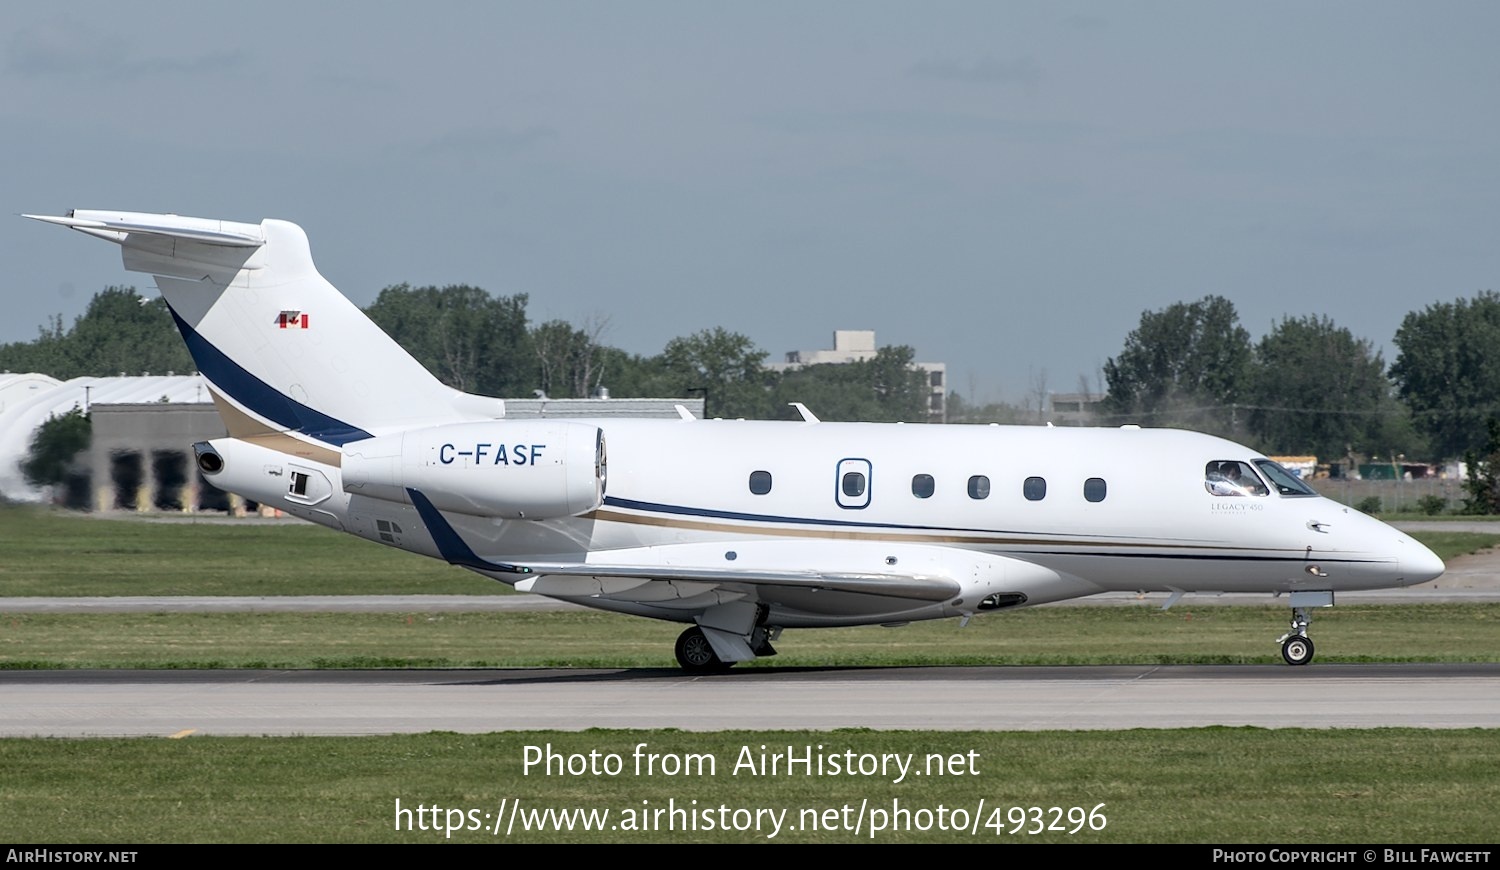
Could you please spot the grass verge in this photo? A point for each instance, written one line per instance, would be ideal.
(58, 553)
(1210, 785)
(1186, 634)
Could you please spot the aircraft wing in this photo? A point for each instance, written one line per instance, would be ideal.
(687, 576)
(642, 574)
(872, 569)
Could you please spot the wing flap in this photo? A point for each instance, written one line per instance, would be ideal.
(638, 575)
(681, 573)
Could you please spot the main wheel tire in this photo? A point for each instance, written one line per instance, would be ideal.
(1297, 650)
(696, 654)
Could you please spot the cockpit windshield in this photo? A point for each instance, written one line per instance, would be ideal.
(1234, 478)
(1285, 482)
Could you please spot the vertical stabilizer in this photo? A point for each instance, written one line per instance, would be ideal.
(283, 349)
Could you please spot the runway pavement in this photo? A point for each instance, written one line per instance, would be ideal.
(165, 703)
(178, 703)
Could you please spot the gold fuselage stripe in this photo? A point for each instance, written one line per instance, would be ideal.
(900, 536)
(246, 428)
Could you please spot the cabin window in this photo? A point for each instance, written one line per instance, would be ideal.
(1035, 488)
(760, 482)
(979, 487)
(853, 483)
(922, 486)
(1094, 489)
(1232, 478)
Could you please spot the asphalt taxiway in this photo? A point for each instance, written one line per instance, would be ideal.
(247, 702)
(170, 702)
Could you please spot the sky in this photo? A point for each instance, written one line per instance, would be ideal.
(1003, 186)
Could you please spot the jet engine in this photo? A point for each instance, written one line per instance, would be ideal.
(526, 469)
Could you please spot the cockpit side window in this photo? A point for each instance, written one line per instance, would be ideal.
(1285, 482)
(1233, 478)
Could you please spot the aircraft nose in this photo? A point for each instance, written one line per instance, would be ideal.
(1418, 563)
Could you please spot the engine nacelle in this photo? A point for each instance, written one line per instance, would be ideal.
(526, 469)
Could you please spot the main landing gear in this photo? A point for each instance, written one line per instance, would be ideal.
(696, 653)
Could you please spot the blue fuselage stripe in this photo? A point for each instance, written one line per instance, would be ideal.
(684, 510)
(1064, 548)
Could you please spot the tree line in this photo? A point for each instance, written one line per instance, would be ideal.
(1310, 387)
(482, 343)
(1307, 386)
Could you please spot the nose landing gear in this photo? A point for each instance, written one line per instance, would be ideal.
(1296, 646)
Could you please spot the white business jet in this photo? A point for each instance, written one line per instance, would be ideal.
(738, 528)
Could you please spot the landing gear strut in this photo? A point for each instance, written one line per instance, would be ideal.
(1296, 646)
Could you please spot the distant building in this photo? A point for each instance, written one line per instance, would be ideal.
(1304, 467)
(141, 458)
(29, 400)
(1075, 409)
(858, 345)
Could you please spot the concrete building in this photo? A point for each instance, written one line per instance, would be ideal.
(140, 457)
(858, 345)
(29, 400)
(1075, 409)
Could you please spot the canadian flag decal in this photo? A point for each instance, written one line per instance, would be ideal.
(292, 320)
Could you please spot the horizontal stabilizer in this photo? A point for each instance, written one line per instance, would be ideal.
(282, 349)
(116, 225)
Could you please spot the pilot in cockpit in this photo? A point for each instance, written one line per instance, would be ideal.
(1232, 478)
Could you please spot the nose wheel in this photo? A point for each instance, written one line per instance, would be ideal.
(1297, 650)
(1296, 646)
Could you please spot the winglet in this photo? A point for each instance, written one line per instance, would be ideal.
(807, 416)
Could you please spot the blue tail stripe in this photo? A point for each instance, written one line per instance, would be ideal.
(259, 396)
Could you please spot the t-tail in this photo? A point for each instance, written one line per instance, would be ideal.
(287, 357)
(322, 408)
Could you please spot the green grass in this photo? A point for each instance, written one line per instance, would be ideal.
(1448, 545)
(1187, 634)
(59, 553)
(68, 554)
(1209, 785)
(1419, 517)
(55, 553)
